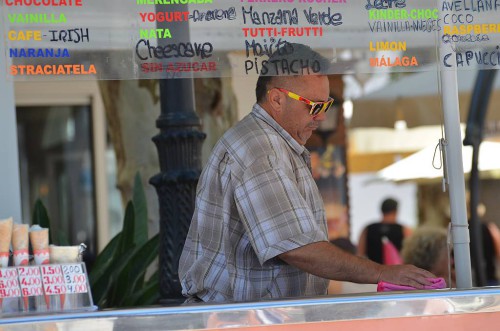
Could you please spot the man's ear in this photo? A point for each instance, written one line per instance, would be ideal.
(275, 99)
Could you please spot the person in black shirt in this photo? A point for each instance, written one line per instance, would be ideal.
(370, 241)
(489, 253)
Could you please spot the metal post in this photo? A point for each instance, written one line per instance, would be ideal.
(473, 137)
(179, 149)
(477, 252)
(460, 229)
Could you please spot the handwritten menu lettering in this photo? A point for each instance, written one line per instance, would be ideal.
(395, 17)
(31, 281)
(48, 287)
(9, 283)
(53, 279)
(384, 4)
(213, 15)
(145, 50)
(462, 32)
(74, 278)
(136, 39)
(276, 29)
(76, 36)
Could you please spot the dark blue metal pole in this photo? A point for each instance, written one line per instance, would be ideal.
(179, 150)
(474, 137)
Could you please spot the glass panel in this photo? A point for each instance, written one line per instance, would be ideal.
(328, 161)
(56, 166)
(147, 39)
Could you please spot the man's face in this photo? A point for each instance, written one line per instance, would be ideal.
(294, 117)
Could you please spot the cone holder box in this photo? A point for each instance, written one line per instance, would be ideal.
(45, 288)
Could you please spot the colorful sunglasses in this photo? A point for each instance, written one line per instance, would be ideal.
(316, 107)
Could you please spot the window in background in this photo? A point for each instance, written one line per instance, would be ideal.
(57, 166)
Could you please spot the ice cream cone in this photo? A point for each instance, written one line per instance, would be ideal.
(39, 238)
(5, 238)
(20, 242)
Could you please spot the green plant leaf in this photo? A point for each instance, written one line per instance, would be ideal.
(127, 238)
(62, 239)
(141, 215)
(141, 212)
(131, 278)
(143, 259)
(41, 217)
(117, 277)
(149, 294)
(105, 285)
(103, 259)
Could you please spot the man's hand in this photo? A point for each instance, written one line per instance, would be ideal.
(408, 275)
(343, 266)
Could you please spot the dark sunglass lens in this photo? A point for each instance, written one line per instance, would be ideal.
(316, 109)
(328, 105)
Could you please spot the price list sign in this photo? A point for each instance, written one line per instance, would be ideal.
(53, 279)
(30, 279)
(75, 279)
(9, 283)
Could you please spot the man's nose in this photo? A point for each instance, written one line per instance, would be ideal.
(320, 117)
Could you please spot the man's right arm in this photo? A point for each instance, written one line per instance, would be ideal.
(327, 261)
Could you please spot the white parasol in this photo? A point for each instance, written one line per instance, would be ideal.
(426, 163)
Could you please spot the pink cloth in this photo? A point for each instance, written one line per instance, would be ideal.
(436, 283)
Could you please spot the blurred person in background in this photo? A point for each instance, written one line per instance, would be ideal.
(490, 235)
(370, 242)
(427, 248)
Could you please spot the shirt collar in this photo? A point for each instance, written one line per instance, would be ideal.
(260, 113)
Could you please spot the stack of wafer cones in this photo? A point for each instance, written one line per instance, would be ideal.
(5, 238)
(20, 244)
(39, 238)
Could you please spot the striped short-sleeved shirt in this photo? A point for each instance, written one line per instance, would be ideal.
(256, 198)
